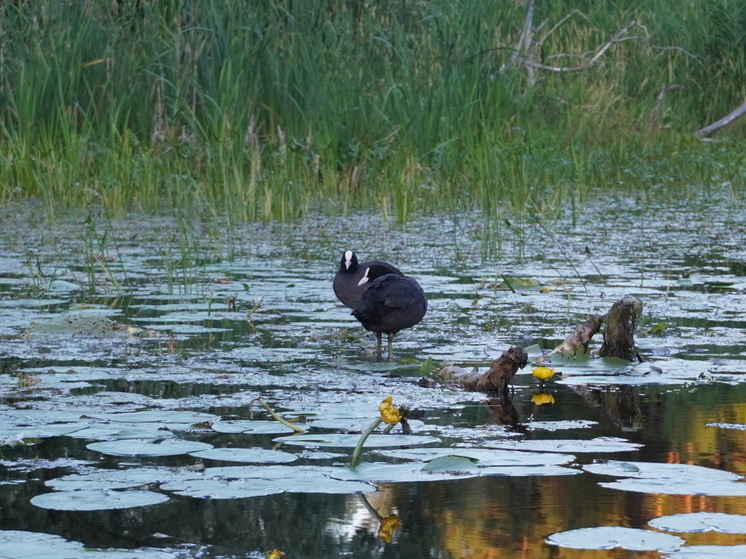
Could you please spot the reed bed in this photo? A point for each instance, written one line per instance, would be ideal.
(271, 109)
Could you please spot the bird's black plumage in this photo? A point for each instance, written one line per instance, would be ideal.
(347, 285)
(390, 304)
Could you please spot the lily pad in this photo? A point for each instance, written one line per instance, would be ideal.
(708, 552)
(482, 456)
(147, 447)
(673, 487)
(654, 470)
(610, 537)
(96, 499)
(701, 522)
(89, 324)
(599, 444)
(738, 426)
(106, 480)
(163, 416)
(255, 455)
(253, 427)
(333, 440)
(385, 472)
(35, 545)
(235, 482)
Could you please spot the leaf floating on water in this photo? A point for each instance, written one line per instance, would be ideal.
(255, 427)
(334, 440)
(84, 324)
(654, 470)
(97, 500)
(253, 455)
(610, 537)
(739, 426)
(36, 545)
(708, 552)
(482, 456)
(669, 479)
(701, 522)
(385, 472)
(147, 447)
(163, 416)
(235, 482)
(599, 444)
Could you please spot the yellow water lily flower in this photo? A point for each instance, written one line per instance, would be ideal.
(543, 373)
(541, 398)
(389, 413)
(389, 525)
(275, 554)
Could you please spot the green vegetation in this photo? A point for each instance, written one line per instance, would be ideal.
(265, 110)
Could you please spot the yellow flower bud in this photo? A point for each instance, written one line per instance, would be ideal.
(543, 373)
(389, 413)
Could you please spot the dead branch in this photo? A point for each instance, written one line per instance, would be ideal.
(708, 131)
(618, 38)
(581, 336)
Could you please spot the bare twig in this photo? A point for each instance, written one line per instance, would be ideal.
(622, 35)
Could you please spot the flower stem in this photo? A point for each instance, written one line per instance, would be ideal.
(356, 453)
(277, 417)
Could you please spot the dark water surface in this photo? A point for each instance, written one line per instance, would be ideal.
(67, 380)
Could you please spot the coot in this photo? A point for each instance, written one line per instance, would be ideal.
(347, 286)
(390, 303)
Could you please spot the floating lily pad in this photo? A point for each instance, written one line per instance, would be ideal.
(334, 440)
(253, 481)
(385, 472)
(738, 426)
(111, 432)
(163, 417)
(97, 500)
(708, 552)
(701, 522)
(255, 455)
(610, 537)
(35, 545)
(561, 425)
(112, 479)
(483, 456)
(89, 324)
(599, 444)
(253, 427)
(673, 487)
(148, 447)
(654, 470)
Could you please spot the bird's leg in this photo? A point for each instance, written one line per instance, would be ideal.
(378, 345)
(391, 339)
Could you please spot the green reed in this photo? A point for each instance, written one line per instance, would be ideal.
(269, 110)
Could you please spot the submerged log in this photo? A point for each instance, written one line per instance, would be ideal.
(619, 334)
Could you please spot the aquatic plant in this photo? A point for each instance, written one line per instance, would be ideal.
(268, 110)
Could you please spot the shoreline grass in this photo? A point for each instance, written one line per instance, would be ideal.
(268, 110)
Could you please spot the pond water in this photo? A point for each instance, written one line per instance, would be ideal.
(133, 353)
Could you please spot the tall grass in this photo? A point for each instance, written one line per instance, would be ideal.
(266, 110)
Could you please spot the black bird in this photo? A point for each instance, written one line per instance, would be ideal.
(347, 285)
(390, 303)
